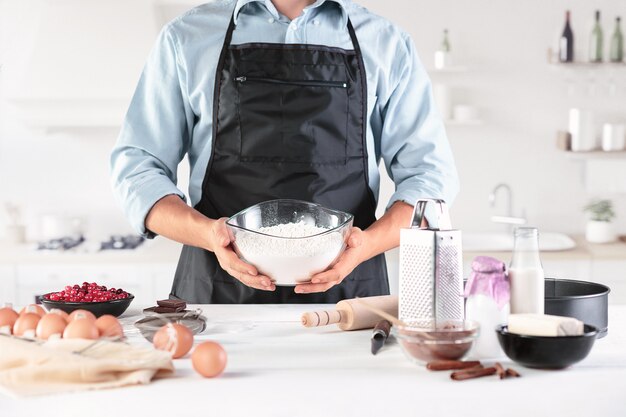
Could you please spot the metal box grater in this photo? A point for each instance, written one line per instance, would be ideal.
(431, 265)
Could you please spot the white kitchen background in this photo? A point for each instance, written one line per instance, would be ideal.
(69, 68)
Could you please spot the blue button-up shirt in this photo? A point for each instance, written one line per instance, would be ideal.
(171, 113)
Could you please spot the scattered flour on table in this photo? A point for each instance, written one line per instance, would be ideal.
(256, 244)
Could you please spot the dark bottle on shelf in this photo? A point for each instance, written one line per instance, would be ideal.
(617, 43)
(445, 44)
(566, 42)
(596, 41)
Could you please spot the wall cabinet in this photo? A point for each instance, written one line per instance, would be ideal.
(607, 272)
(571, 269)
(152, 281)
(147, 282)
(7, 285)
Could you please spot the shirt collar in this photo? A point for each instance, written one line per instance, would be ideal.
(270, 7)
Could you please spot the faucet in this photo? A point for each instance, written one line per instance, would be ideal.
(508, 218)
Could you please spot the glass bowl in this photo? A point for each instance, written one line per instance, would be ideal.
(311, 247)
(424, 340)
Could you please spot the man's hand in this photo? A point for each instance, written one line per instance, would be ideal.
(382, 235)
(350, 259)
(219, 243)
(172, 218)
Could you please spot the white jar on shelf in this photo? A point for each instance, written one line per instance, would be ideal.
(613, 137)
(581, 127)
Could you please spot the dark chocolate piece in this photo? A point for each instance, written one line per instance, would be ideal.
(161, 310)
(172, 303)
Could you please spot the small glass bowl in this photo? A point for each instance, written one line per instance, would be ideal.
(426, 340)
(291, 264)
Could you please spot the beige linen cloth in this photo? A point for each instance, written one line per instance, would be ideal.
(63, 365)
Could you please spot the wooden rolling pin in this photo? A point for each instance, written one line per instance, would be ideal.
(350, 315)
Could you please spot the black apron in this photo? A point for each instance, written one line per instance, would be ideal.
(289, 121)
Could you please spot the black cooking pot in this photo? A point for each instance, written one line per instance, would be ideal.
(583, 300)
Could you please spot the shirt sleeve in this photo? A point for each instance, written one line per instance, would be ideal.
(414, 145)
(154, 137)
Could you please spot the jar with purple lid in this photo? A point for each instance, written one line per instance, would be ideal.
(487, 294)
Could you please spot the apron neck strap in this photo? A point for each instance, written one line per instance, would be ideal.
(231, 28)
(229, 32)
(355, 42)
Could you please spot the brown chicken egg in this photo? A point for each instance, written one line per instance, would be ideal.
(7, 319)
(26, 324)
(50, 324)
(81, 314)
(61, 313)
(209, 359)
(33, 308)
(81, 328)
(174, 338)
(109, 326)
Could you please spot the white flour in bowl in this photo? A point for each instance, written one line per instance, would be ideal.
(289, 261)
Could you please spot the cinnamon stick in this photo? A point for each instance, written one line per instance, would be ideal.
(472, 373)
(500, 370)
(449, 365)
(512, 372)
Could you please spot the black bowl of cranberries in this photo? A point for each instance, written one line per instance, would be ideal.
(92, 297)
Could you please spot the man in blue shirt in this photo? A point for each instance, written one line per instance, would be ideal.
(279, 99)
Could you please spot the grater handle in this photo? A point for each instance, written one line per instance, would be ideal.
(419, 221)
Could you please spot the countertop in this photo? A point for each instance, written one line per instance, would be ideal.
(159, 250)
(162, 250)
(583, 251)
(276, 367)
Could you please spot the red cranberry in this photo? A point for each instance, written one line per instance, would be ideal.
(87, 292)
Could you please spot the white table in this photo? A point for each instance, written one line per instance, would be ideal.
(277, 368)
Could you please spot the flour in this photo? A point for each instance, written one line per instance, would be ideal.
(292, 252)
(296, 244)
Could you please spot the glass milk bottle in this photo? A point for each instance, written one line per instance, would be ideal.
(526, 273)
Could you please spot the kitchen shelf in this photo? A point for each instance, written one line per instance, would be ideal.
(589, 65)
(585, 156)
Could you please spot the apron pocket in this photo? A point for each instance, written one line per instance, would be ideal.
(292, 121)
